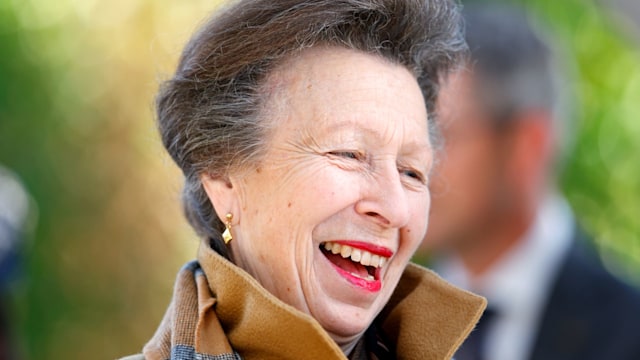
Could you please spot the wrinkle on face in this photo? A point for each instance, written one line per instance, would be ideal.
(306, 192)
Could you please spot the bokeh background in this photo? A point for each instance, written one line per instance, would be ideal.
(105, 236)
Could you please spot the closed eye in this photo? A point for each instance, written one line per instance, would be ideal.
(414, 175)
(348, 154)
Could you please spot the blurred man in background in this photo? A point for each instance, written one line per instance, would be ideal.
(498, 225)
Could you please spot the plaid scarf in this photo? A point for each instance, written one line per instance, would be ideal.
(190, 312)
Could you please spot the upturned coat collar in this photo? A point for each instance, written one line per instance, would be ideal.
(426, 317)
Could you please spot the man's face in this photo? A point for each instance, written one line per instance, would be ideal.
(468, 181)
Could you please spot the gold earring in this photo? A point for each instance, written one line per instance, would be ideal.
(226, 235)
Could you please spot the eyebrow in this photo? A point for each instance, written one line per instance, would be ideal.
(380, 138)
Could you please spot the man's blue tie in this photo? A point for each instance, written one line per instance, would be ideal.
(474, 347)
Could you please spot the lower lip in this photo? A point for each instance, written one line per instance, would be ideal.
(368, 285)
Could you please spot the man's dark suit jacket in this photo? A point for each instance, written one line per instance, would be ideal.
(590, 315)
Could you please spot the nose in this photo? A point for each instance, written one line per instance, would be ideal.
(385, 199)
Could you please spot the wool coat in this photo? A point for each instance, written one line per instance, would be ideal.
(217, 308)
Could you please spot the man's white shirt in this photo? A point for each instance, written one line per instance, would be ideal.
(517, 288)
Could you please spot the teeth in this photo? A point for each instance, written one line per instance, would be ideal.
(346, 251)
(357, 255)
(335, 248)
(375, 260)
(366, 258)
(368, 277)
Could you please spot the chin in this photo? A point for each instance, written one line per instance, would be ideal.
(346, 321)
(346, 331)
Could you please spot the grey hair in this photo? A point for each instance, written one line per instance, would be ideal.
(519, 67)
(211, 112)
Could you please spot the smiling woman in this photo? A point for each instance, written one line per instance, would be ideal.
(332, 175)
(302, 131)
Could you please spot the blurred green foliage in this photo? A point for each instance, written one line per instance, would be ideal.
(77, 80)
(602, 176)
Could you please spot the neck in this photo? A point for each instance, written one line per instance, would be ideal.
(348, 348)
(493, 244)
(347, 343)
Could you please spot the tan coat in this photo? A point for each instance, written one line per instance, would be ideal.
(426, 318)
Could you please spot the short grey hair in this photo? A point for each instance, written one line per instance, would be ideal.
(211, 112)
(518, 66)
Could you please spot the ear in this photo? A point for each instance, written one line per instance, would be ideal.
(532, 151)
(222, 195)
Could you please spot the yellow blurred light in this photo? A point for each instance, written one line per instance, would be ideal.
(103, 13)
(38, 14)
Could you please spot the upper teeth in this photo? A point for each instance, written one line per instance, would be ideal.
(358, 255)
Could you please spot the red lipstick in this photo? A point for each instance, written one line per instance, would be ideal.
(374, 249)
(369, 285)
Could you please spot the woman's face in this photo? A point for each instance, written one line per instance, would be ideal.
(329, 220)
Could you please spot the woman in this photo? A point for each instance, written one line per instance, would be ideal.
(302, 131)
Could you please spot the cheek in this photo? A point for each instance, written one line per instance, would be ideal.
(322, 195)
(463, 171)
(459, 163)
(415, 231)
(285, 212)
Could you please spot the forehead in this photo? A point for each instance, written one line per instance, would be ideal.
(334, 67)
(334, 84)
(458, 101)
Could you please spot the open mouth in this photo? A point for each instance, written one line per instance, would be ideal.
(360, 267)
